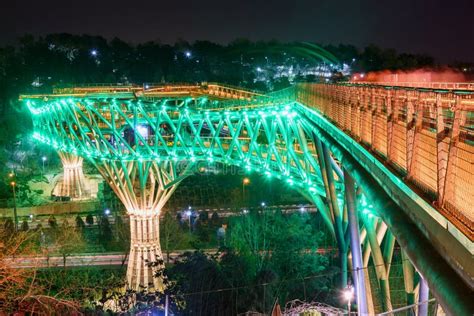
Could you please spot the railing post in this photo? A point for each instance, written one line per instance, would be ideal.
(413, 125)
(447, 149)
(389, 102)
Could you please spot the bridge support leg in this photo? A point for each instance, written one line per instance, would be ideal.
(144, 249)
(357, 266)
(423, 296)
(73, 182)
(144, 187)
(380, 264)
(409, 280)
(333, 206)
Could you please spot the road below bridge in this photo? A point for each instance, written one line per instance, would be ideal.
(96, 260)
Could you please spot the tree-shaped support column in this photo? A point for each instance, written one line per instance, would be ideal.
(72, 184)
(144, 249)
(144, 187)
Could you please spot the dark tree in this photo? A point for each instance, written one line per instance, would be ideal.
(204, 216)
(80, 223)
(215, 218)
(105, 233)
(9, 227)
(52, 222)
(90, 219)
(24, 226)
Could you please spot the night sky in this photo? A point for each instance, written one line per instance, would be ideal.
(441, 28)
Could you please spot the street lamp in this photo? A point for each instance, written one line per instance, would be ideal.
(107, 211)
(44, 160)
(245, 181)
(263, 204)
(13, 184)
(348, 295)
(188, 213)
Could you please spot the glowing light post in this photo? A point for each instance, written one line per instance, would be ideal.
(189, 213)
(13, 184)
(348, 295)
(44, 160)
(245, 181)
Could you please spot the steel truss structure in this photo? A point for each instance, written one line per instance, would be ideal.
(145, 147)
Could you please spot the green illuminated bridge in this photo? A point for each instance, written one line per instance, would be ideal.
(383, 165)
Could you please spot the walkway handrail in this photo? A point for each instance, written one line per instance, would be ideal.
(462, 86)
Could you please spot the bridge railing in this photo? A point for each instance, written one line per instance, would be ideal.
(150, 88)
(271, 99)
(427, 136)
(429, 85)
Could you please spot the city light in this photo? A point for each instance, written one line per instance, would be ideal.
(94, 52)
(187, 54)
(143, 131)
(348, 295)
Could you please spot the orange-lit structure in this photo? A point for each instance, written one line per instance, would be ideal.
(427, 135)
(212, 90)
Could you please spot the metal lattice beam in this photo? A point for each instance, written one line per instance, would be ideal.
(134, 141)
